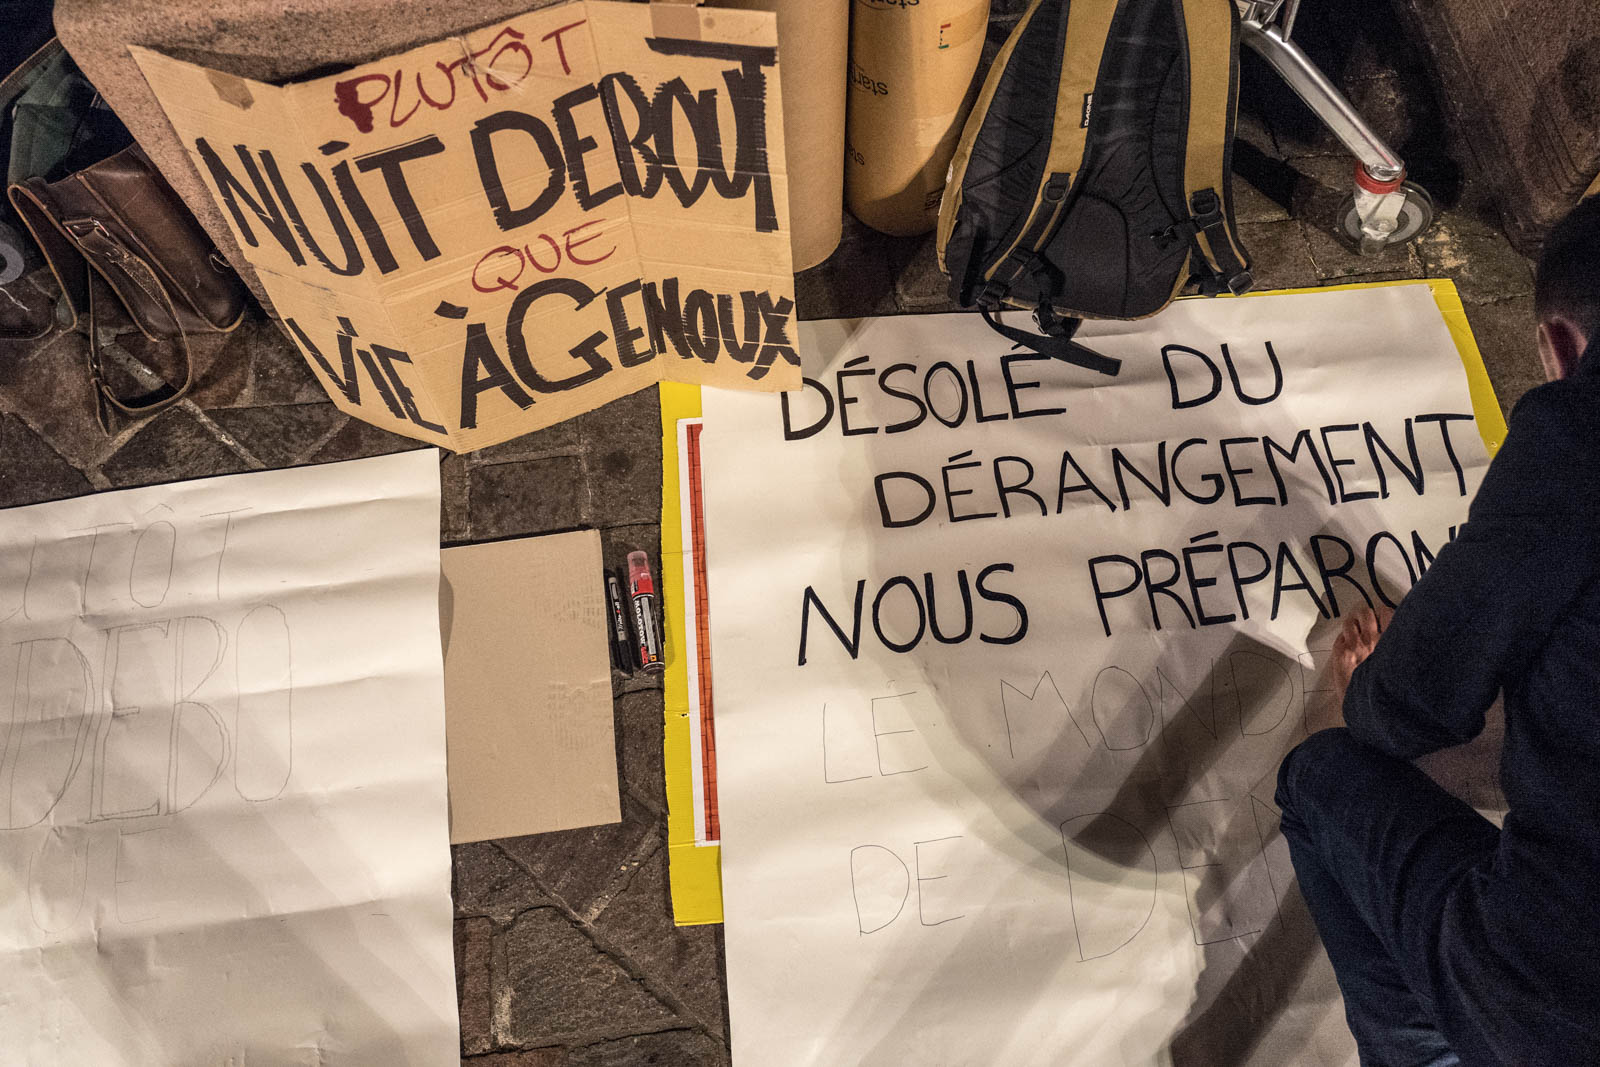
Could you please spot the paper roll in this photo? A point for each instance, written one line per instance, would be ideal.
(813, 45)
(911, 69)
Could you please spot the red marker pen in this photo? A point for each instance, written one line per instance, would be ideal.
(647, 639)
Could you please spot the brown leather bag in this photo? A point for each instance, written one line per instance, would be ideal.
(118, 225)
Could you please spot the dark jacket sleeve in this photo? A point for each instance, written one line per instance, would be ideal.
(1474, 622)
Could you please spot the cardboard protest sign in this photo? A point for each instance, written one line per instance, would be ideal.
(223, 833)
(1007, 660)
(495, 232)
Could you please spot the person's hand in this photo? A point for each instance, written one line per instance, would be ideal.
(1353, 645)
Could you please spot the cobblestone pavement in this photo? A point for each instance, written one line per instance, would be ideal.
(566, 955)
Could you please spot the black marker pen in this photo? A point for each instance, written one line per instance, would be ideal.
(619, 625)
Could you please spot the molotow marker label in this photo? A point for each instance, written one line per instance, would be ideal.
(647, 639)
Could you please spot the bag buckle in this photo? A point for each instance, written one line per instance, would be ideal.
(1052, 324)
(1205, 209)
(84, 227)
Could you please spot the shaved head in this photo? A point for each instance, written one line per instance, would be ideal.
(1568, 279)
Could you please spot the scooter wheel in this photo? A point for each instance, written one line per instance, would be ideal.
(1416, 215)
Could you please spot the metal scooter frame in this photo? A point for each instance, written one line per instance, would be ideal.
(1384, 209)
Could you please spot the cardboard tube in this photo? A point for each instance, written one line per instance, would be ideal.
(911, 69)
(813, 44)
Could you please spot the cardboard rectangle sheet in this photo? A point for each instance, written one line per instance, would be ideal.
(491, 233)
(527, 678)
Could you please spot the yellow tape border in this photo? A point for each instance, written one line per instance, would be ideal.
(1485, 405)
(694, 873)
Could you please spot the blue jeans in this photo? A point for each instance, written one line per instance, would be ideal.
(1378, 848)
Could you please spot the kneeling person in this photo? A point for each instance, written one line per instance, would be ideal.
(1454, 941)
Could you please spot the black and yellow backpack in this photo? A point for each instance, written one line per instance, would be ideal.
(1092, 179)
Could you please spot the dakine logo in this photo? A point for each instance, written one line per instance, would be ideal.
(1088, 108)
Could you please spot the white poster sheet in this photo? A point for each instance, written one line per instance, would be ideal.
(1007, 655)
(224, 835)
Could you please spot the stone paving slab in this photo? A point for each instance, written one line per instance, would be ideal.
(566, 953)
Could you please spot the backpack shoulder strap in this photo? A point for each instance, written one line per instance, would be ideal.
(1211, 31)
(1088, 27)
(1084, 44)
(950, 204)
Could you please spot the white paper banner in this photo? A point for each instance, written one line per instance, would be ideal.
(1007, 655)
(224, 835)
